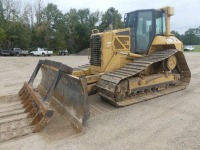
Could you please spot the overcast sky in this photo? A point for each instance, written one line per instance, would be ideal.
(187, 12)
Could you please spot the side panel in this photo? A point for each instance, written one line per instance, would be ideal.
(163, 42)
(112, 43)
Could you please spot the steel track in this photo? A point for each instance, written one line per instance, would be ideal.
(108, 82)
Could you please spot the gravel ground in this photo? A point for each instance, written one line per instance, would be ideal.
(168, 122)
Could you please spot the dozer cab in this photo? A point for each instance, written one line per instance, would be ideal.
(137, 63)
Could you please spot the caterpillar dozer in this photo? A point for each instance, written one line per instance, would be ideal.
(137, 63)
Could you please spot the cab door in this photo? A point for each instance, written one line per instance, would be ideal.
(144, 31)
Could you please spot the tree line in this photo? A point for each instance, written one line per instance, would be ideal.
(36, 24)
(190, 37)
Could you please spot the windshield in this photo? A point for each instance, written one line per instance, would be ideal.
(144, 30)
(145, 25)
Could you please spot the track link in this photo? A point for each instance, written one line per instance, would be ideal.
(108, 82)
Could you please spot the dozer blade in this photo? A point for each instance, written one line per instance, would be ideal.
(58, 90)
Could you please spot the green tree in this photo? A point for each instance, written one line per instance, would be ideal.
(39, 35)
(117, 19)
(79, 26)
(86, 24)
(192, 36)
(51, 30)
(2, 36)
(72, 36)
(18, 34)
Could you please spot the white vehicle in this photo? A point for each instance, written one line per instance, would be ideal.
(188, 48)
(41, 52)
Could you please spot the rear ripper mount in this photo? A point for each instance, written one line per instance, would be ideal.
(58, 89)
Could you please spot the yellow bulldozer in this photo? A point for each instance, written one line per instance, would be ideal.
(137, 63)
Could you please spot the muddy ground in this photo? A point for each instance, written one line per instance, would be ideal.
(168, 122)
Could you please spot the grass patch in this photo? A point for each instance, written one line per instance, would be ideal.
(197, 49)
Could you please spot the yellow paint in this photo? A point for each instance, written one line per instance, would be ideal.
(115, 51)
(150, 80)
(81, 73)
(111, 45)
(163, 42)
(93, 78)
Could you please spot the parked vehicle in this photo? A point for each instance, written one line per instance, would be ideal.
(14, 52)
(41, 52)
(188, 48)
(18, 52)
(63, 53)
(5, 52)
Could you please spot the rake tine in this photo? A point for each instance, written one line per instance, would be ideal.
(32, 113)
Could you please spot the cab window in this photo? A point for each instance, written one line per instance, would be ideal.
(144, 30)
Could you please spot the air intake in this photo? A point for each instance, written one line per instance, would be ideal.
(95, 45)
